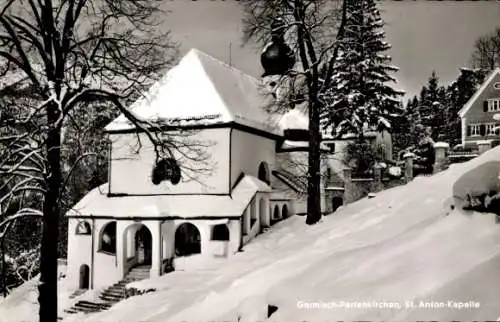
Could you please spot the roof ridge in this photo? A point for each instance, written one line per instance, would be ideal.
(478, 92)
(224, 64)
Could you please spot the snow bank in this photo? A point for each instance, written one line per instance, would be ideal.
(404, 246)
(21, 305)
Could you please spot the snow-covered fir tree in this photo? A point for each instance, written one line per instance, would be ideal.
(361, 95)
(431, 106)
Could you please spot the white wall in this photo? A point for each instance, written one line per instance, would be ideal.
(106, 267)
(79, 253)
(248, 151)
(211, 250)
(131, 173)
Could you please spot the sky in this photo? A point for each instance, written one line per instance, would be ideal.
(425, 35)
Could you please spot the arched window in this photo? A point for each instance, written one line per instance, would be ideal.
(83, 228)
(264, 173)
(276, 213)
(108, 238)
(220, 232)
(187, 240)
(284, 211)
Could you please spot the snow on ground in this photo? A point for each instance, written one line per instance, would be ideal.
(403, 245)
(21, 305)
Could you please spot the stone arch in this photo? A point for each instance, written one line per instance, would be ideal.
(187, 240)
(264, 174)
(336, 203)
(220, 233)
(107, 238)
(84, 277)
(83, 228)
(284, 211)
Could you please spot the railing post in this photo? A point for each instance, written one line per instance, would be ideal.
(377, 174)
(441, 149)
(408, 157)
(347, 185)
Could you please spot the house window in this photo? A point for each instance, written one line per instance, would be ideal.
(497, 85)
(474, 129)
(491, 129)
(494, 105)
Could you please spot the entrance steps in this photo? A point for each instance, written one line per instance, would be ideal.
(113, 294)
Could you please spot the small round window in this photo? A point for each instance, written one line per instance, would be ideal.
(497, 85)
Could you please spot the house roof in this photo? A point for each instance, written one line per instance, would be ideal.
(202, 90)
(98, 204)
(478, 93)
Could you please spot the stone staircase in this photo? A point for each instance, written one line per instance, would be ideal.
(112, 294)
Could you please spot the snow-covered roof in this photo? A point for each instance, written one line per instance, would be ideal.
(478, 93)
(294, 119)
(201, 90)
(98, 204)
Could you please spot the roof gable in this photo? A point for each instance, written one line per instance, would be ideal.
(201, 90)
(479, 92)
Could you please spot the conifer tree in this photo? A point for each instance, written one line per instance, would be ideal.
(361, 94)
(431, 105)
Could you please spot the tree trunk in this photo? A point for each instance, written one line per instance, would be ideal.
(313, 184)
(4, 270)
(50, 232)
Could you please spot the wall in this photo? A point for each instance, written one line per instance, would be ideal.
(131, 173)
(79, 253)
(210, 250)
(106, 270)
(248, 151)
(476, 113)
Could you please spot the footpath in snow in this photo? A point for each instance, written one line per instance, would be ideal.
(403, 255)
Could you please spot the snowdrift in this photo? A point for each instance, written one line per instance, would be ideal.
(403, 255)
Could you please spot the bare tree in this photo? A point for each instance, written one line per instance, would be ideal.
(312, 28)
(57, 57)
(486, 54)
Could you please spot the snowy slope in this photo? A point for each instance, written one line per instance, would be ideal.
(402, 245)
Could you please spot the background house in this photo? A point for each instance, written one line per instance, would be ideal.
(480, 116)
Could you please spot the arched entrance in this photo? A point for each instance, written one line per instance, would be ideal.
(336, 203)
(84, 277)
(284, 211)
(187, 240)
(143, 245)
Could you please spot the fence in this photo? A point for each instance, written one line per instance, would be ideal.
(357, 188)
